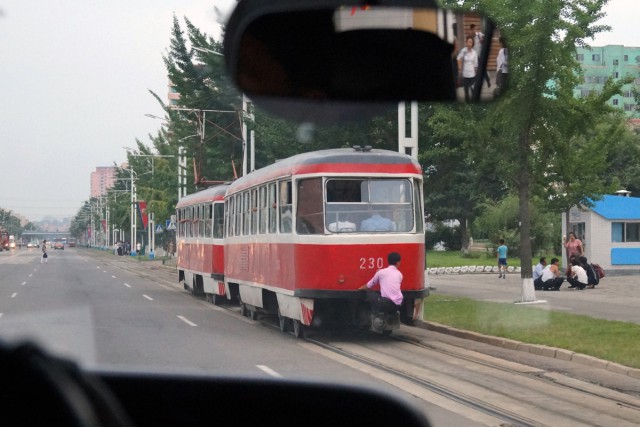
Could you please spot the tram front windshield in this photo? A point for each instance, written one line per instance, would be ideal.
(369, 205)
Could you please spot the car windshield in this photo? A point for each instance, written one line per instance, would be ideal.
(189, 191)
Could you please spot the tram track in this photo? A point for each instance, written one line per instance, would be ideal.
(545, 399)
(508, 417)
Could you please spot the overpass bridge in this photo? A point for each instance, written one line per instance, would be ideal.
(29, 236)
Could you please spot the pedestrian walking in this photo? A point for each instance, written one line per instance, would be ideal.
(45, 256)
(468, 63)
(502, 68)
(478, 41)
(502, 259)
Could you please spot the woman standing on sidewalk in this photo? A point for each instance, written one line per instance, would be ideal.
(573, 246)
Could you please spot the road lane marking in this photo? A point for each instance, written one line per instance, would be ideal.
(13, 295)
(98, 267)
(147, 297)
(127, 285)
(31, 275)
(267, 370)
(23, 283)
(187, 321)
(113, 276)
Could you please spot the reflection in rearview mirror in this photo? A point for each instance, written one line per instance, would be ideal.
(378, 54)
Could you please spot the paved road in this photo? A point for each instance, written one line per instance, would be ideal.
(112, 313)
(615, 298)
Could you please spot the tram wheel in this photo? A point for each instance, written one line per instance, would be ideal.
(298, 329)
(253, 314)
(216, 299)
(243, 310)
(283, 322)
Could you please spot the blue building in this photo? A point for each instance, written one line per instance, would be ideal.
(610, 231)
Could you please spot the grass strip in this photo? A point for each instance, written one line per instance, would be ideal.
(457, 259)
(614, 341)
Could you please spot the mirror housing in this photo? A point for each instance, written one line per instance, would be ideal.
(357, 58)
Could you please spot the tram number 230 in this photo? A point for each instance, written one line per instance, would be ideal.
(371, 263)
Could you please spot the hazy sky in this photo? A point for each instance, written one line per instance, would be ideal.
(74, 81)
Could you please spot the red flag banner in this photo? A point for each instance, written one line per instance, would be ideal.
(142, 210)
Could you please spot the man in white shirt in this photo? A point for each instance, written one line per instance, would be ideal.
(551, 278)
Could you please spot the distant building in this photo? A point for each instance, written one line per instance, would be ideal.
(102, 179)
(173, 95)
(610, 231)
(612, 61)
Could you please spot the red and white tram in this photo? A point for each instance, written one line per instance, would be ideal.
(200, 242)
(302, 234)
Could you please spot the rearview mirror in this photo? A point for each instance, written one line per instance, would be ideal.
(340, 52)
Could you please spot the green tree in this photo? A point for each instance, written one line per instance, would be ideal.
(527, 125)
(458, 180)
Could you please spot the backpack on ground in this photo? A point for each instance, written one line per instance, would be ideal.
(598, 270)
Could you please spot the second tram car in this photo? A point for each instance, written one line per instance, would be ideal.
(303, 234)
(200, 243)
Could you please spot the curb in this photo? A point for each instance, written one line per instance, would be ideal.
(537, 349)
(469, 269)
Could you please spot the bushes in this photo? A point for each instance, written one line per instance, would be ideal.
(450, 237)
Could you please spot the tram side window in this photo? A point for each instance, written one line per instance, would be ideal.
(238, 202)
(194, 222)
(208, 228)
(263, 212)
(272, 207)
(309, 212)
(202, 218)
(228, 212)
(254, 211)
(246, 214)
(218, 220)
(179, 219)
(286, 217)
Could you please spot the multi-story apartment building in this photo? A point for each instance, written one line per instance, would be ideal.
(102, 179)
(611, 61)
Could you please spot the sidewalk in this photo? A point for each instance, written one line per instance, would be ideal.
(615, 298)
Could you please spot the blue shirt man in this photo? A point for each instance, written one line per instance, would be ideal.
(377, 223)
(502, 260)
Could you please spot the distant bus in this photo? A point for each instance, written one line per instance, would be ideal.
(71, 242)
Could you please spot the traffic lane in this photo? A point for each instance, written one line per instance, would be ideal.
(46, 308)
(16, 265)
(18, 268)
(111, 318)
(615, 298)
